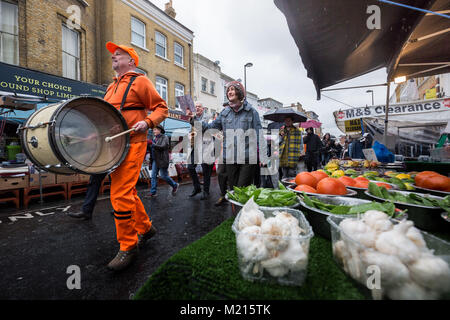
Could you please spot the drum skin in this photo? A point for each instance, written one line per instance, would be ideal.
(70, 137)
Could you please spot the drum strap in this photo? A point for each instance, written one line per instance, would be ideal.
(124, 99)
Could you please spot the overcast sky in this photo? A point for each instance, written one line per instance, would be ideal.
(239, 31)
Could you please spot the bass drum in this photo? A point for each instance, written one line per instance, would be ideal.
(69, 137)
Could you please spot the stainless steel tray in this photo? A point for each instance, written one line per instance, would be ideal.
(431, 191)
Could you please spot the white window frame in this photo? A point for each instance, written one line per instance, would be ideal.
(139, 70)
(160, 44)
(76, 55)
(15, 34)
(175, 54)
(144, 35)
(161, 85)
(178, 93)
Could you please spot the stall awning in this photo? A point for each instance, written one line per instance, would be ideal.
(336, 44)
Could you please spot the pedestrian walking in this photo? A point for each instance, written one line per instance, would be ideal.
(159, 158)
(290, 148)
(313, 147)
(326, 150)
(236, 119)
(197, 154)
(135, 96)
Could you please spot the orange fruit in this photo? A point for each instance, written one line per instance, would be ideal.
(331, 186)
(319, 175)
(305, 188)
(347, 181)
(306, 178)
(381, 184)
(361, 184)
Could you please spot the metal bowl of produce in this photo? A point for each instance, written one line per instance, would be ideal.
(360, 192)
(431, 191)
(425, 217)
(237, 203)
(288, 181)
(350, 193)
(318, 218)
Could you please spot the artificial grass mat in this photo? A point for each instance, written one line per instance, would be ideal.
(208, 270)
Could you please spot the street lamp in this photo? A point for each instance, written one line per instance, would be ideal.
(247, 65)
(370, 91)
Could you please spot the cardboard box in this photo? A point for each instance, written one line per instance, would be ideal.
(47, 178)
(84, 177)
(61, 178)
(13, 183)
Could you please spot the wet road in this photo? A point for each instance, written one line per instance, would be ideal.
(41, 247)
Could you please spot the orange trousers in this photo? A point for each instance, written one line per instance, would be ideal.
(129, 212)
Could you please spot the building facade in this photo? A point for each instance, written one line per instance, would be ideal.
(67, 38)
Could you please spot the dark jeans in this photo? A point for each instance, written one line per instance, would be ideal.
(207, 168)
(240, 175)
(95, 182)
(222, 177)
(312, 161)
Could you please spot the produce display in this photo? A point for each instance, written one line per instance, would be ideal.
(408, 268)
(264, 197)
(386, 207)
(411, 198)
(272, 244)
(432, 180)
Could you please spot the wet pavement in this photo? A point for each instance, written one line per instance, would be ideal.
(42, 248)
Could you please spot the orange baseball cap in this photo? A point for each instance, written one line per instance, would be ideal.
(112, 47)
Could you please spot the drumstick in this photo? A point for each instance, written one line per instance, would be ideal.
(108, 139)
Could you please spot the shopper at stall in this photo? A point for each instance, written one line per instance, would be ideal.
(313, 147)
(326, 150)
(239, 114)
(159, 158)
(197, 154)
(290, 148)
(135, 96)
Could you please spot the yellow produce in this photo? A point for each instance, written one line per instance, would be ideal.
(409, 186)
(338, 174)
(403, 176)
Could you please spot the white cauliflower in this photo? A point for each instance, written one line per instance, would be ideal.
(431, 272)
(250, 244)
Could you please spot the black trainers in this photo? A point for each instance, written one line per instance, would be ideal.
(150, 195)
(122, 260)
(142, 238)
(80, 215)
(175, 189)
(196, 191)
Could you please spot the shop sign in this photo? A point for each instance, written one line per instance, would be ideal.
(20, 80)
(353, 125)
(395, 109)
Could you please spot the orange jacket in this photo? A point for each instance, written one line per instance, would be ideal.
(142, 94)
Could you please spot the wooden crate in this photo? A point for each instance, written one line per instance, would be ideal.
(83, 177)
(61, 178)
(46, 178)
(13, 183)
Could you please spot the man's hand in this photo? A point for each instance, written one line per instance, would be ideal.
(189, 113)
(141, 126)
(282, 132)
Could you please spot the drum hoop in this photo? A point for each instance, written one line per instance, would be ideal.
(52, 141)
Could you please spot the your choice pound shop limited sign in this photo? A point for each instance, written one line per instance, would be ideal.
(14, 79)
(415, 109)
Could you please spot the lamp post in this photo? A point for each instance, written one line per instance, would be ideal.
(370, 91)
(247, 65)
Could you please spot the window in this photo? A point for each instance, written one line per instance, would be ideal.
(204, 84)
(70, 53)
(179, 91)
(212, 87)
(9, 33)
(161, 44)
(161, 87)
(137, 32)
(225, 98)
(178, 54)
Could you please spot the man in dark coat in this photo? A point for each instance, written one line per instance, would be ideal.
(159, 158)
(313, 147)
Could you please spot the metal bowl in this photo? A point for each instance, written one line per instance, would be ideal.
(424, 217)
(236, 203)
(431, 191)
(288, 181)
(318, 218)
(350, 193)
